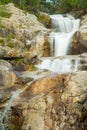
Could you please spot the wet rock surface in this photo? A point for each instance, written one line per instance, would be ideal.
(53, 102)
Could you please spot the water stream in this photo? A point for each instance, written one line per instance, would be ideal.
(8, 106)
(65, 26)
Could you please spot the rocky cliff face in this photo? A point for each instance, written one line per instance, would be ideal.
(22, 30)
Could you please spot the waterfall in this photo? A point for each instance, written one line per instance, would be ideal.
(59, 65)
(59, 43)
(48, 1)
(65, 26)
(60, 40)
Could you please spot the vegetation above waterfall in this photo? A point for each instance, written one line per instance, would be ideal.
(57, 6)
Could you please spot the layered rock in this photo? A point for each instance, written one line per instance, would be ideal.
(54, 102)
(23, 30)
(80, 37)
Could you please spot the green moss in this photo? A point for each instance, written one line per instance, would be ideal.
(6, 41)
(9, 44)
(9, 37)
(44, 19)
(2, 42)
(19, 60)
(1, 25)
(3, 12)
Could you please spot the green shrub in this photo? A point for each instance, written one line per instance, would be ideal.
(73, 5)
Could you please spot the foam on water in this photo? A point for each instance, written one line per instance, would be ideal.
(60, 41)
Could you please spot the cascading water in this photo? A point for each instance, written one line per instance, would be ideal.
(60, 43)
(8, 106)
(59, 65)
(65, 27)
(60, 40)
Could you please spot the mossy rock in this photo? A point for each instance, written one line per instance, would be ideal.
(6, 41)
(10, 44)
(44, 19)
(4, 12)
(2, 42)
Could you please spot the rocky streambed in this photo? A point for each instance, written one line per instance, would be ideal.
(50, 101)
(39, 99)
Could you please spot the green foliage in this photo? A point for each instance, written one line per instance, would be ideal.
(20, 3)
(83, 4)
(73, 5)
(34, 6)
(34, 3)
(6, 1)
(3, 12)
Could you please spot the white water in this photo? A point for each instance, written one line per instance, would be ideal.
(48, 1)
(7, 108)
(59, 65)
(60, 41)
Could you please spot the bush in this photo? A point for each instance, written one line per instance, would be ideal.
(73, 5)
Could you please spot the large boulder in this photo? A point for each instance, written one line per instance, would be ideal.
(54, 102)
(7, 52)
(26, 29)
